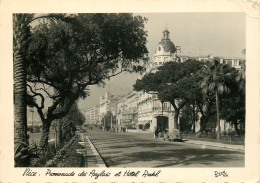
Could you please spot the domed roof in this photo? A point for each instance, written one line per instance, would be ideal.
(168, 46)
(166, 43)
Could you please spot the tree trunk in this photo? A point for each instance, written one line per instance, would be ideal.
(203, 123)
(236, 128)
(176, 117)
(218, 120)
(45, 135)
(59, 134)
(20, 110)
(20, 113)
(194, 118)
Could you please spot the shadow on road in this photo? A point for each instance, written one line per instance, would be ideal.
(175, 157)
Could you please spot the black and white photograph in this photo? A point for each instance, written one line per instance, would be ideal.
(129, 90)
(138, 92)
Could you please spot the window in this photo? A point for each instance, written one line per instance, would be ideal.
(165, 105)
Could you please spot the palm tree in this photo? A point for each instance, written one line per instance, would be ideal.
(21, 38)
(214, 83)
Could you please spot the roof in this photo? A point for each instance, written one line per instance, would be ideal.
(166, 30)
(167, 45)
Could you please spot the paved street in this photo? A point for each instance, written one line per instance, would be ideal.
(141, 150)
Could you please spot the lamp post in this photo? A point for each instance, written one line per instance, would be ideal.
(111, 119)
(32, 111)
(162, 106)
(104, 122)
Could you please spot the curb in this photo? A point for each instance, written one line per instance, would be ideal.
(100, 161)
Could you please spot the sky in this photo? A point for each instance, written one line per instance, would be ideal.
(221, 33)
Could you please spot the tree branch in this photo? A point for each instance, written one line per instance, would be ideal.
(37, 94)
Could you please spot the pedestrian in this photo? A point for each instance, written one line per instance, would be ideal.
(165, 135)
(159, 132)
(155, 133)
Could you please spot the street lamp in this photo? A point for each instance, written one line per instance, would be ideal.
(32, 111)
(162, 106)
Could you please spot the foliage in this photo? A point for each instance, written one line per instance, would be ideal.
(218, 79)
(188, 117)
(74, 116)
(40, 158)
(51, 158)
(215, 77)
(233, 106)
(35, 128)
(173, 80)
(70, 121)
(66, 58)
(21, 41)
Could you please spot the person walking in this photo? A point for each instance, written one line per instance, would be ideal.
(166, 135)
(155, 133)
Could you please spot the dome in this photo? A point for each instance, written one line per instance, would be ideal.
(166, 43)
(168, 46)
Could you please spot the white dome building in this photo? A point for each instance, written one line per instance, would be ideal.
(165, 52)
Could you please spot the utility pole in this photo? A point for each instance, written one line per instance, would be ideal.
(104, 122)
(32, 118)
(111, 122)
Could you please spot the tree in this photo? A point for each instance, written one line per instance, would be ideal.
(69, 122)
(203, 102)
(214, 82)
(21, 40)
(233, 105)
(20, 44)
(172, 82)
(66, 126)
(65, 59)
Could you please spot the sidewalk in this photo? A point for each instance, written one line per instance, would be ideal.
(93, 158)
(215, 144)
(199, 142)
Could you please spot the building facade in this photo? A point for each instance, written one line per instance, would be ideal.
(127, 111)
(92, 115)
(87, 114)
(108, 102)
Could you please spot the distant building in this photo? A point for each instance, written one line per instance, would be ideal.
(127, 111)
(91, 115)
(201, 54)
(237, 63)
(165, 52)
(87, 114)
(108, 102)
(96, 116)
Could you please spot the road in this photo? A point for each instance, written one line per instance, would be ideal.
(141, 150)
